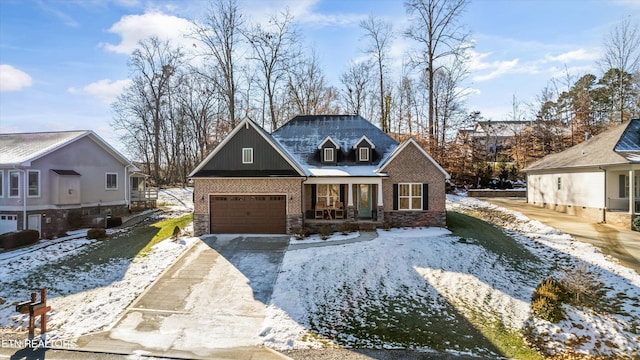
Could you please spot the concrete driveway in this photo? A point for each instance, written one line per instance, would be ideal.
(623, 244)
(211, 303)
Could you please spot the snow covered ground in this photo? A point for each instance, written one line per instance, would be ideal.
(343, 295)
(90, 299)
(423, 286)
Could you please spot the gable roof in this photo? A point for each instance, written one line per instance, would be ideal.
(328, 138)
(364, 138)
(246, 123)
(629, 143)
(20, 149)
(302, 134)
(598, 150)
(412, 142)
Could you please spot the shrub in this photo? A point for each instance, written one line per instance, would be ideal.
(114, 222)
(96, 233)
(582, 286)
(300, 232)
(345, 228)
(20, 238)
(325, 231)
(635, 225)
(547, 299)
(176, 233)
(386, 225)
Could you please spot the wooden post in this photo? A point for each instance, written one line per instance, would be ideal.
(32, 319)
(43, 316)
(35, 308)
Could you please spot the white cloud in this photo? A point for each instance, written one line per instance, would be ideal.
(12, 79)
(575, 55)
(105, 90)
(496, 69)
(134, 28)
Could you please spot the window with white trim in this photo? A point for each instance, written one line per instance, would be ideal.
(363, 154)
(1, 183)
(329, 155)
(14, 184)
(111, 181)
(410, 196)
(329, 194)
(33, 183)
(247, 155)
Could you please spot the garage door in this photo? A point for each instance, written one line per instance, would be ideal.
(248, 214)
(8, 223)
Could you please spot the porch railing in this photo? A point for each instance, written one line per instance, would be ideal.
(143, 195)
(618, 204)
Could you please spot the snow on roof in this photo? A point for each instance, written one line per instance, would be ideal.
(19, 148)
(344, 171)
(302, 134)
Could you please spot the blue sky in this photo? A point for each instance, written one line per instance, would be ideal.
(62, 62)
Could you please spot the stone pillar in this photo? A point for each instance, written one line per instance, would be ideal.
(351, 213)
(380, 214)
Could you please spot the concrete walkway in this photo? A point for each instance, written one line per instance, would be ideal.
(620, 243)
(210, 304)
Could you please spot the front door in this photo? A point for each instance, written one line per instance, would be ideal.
(364, 201)
(35, 222)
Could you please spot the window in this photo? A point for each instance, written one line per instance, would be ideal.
(328, 155)
(410, 196)
(14, 184)
(112, 181)
(328, 193)
(1, 183)
(363, 154)
(623, 182)
(33, 179)
(247, 155)
(559, 183)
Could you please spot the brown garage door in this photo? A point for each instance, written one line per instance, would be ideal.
(252, 214)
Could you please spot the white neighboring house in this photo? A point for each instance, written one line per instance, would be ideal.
(598, 179)
(46, 176)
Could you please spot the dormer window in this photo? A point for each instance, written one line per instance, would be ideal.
(328, 148)
(363, 148)
(329, 154)
(363, 154)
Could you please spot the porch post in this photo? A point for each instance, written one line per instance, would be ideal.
(632, 192)
(349, 194)
(380, 209)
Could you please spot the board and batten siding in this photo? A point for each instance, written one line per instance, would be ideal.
(586, 189)
(266, 160)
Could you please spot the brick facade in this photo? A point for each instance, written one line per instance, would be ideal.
(411, 166)
(203, 187)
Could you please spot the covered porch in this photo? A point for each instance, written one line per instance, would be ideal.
(142, 196)
(623, 195)
(341, 199)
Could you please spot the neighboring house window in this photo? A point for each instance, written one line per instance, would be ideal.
(410, 196)
(623, 182)
(328, 155)
(363, 154)
(559, 183)
(1, 183)
(33, 179)
(247, 155)
(328, 193)
(14, 184)
(112, 181)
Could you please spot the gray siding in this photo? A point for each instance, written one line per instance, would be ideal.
(266, 160)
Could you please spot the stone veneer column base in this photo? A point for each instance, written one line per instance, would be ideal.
(351, 213)
(380, 214)
(200, 224)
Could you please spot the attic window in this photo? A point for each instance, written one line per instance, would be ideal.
(247, 155)
(363, 154)
(329, 155)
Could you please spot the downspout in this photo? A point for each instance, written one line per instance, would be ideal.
(604, 208)
(24, 198)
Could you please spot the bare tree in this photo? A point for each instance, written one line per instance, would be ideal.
(144, 109)
(356, 84)
(274, 49)
(379, 33)
(220, 34)
(622, 53)
(308, 89)
(434, 25)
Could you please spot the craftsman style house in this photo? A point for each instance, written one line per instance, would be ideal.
(597, 179)
(48, 177)
(315, 170)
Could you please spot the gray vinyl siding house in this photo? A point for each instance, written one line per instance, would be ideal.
(45, 177)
